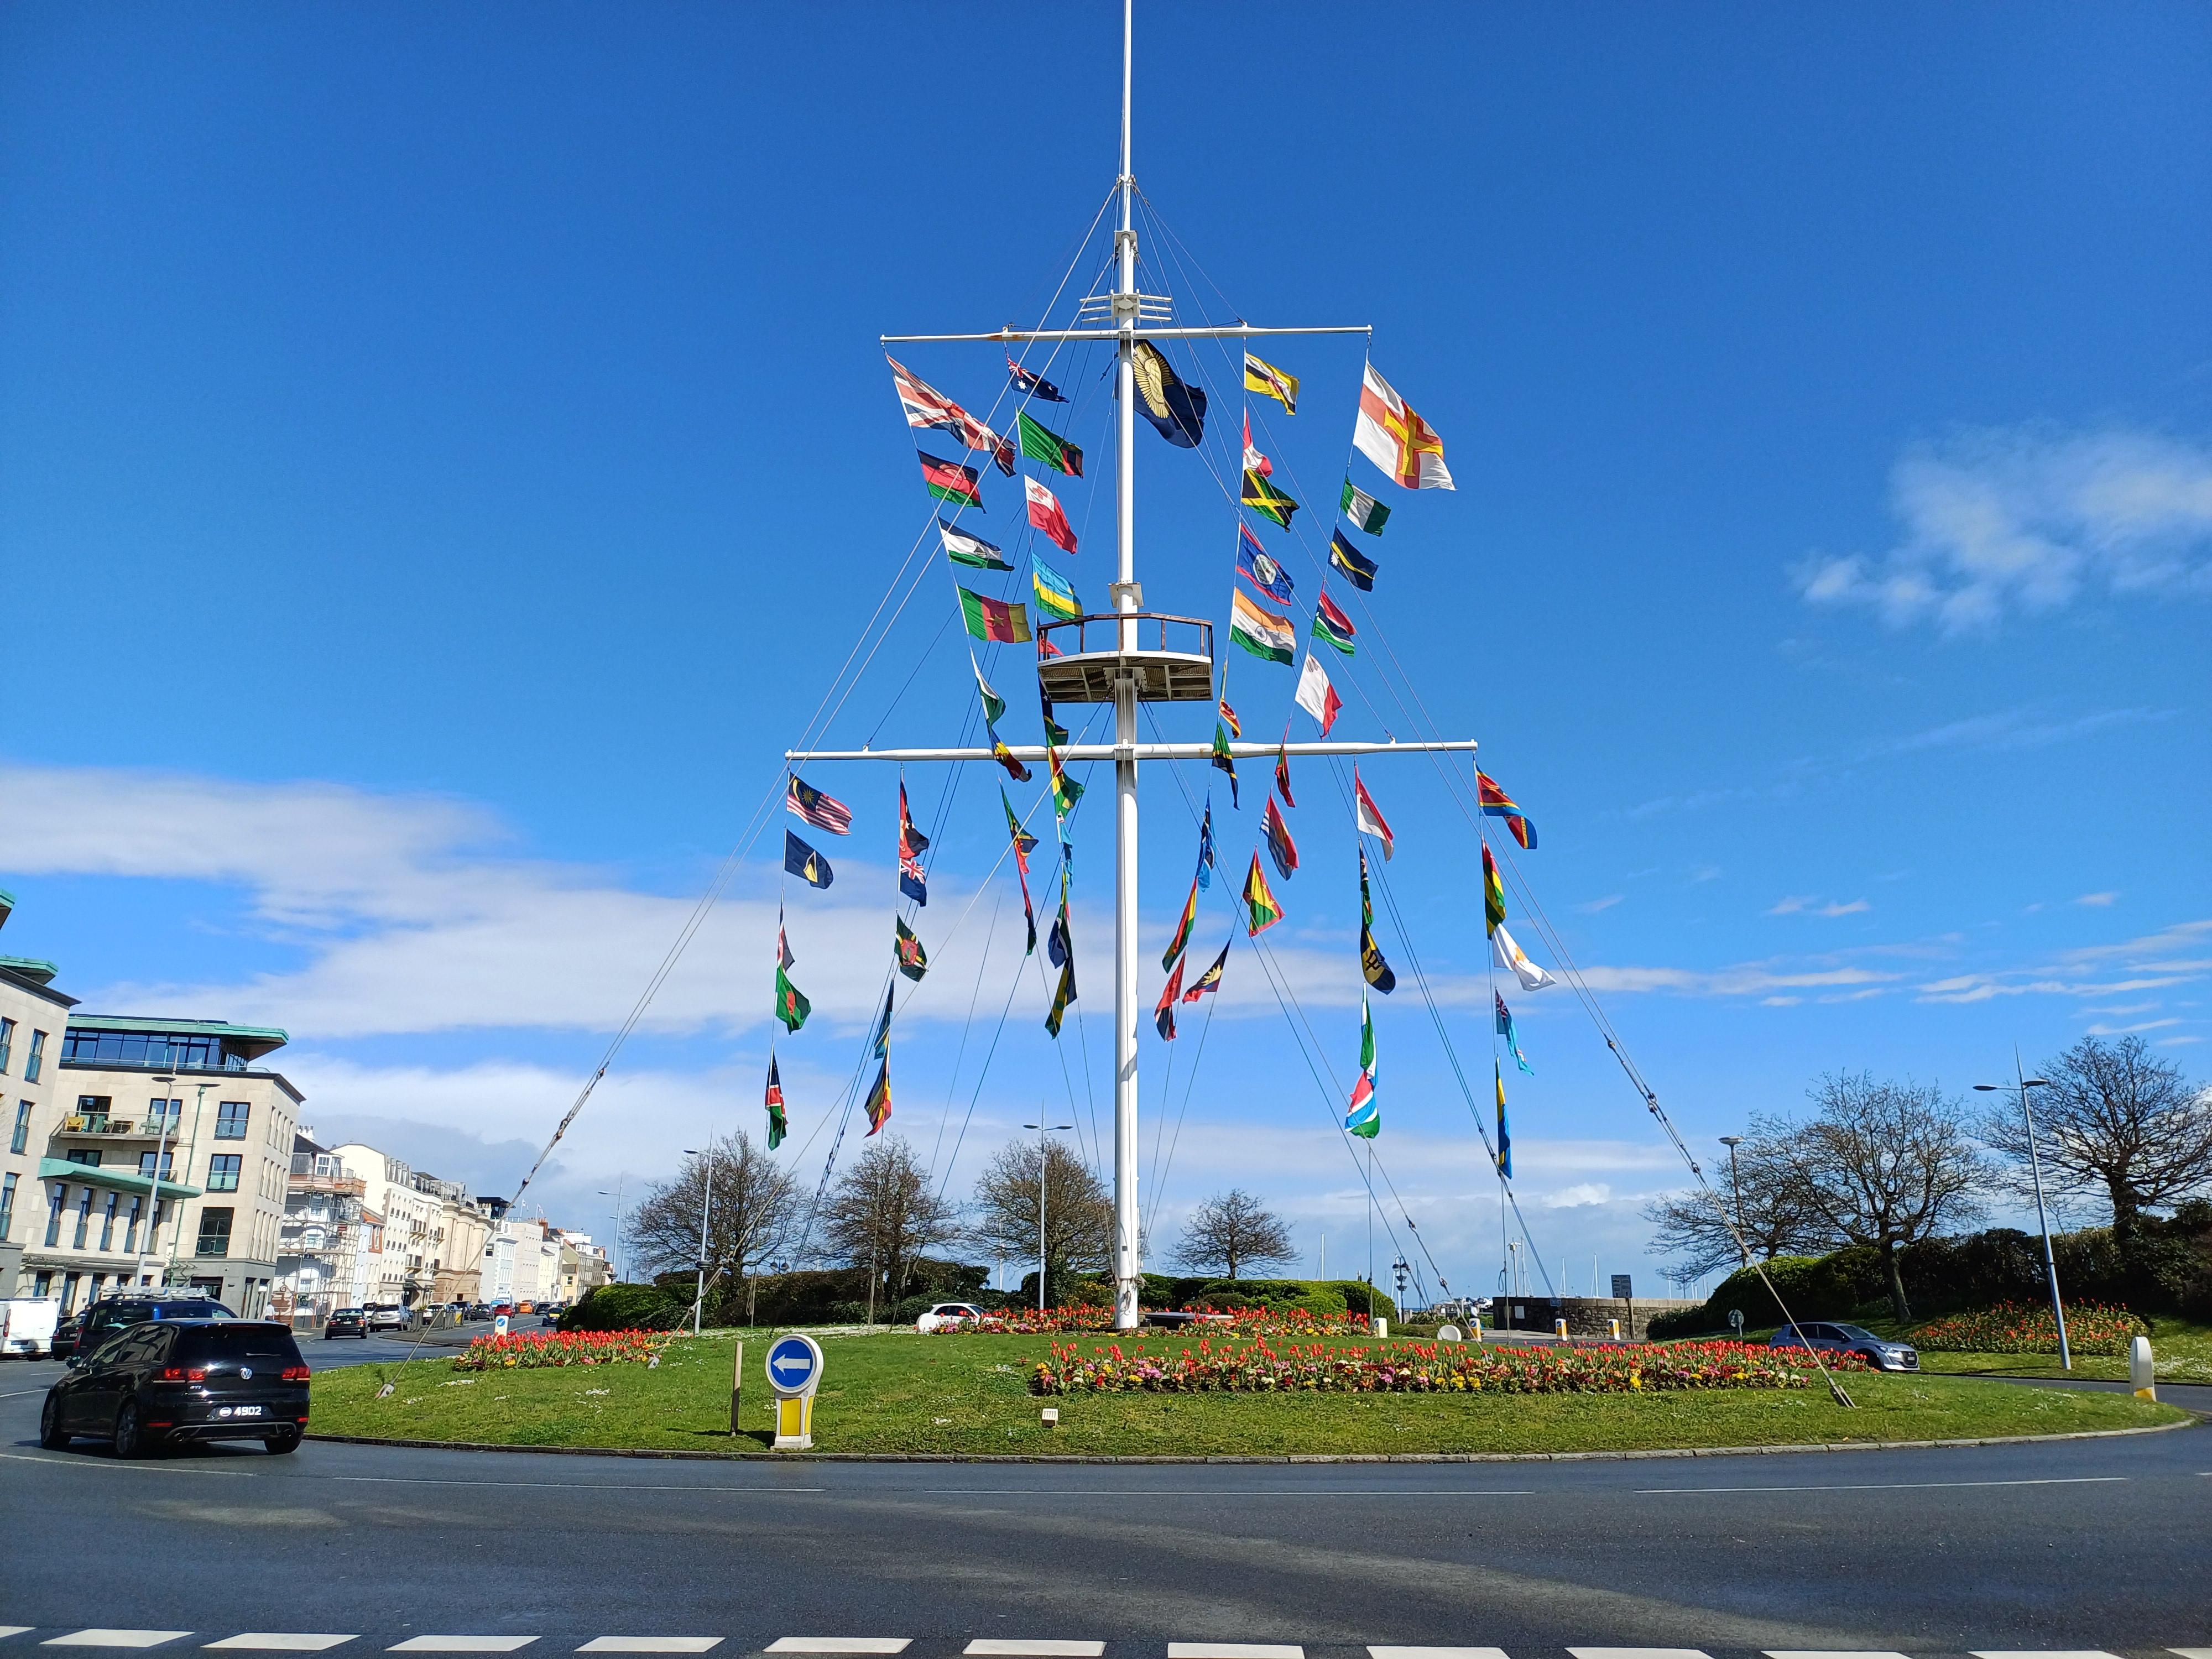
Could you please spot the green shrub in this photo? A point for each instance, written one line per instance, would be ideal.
(625, 1308)
(1360, 1297)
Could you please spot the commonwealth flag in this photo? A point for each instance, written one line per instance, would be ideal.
(1176, 412)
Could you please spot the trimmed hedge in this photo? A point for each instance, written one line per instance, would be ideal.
(625, 1308)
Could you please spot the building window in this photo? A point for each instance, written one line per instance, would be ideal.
(7, 1205)
(187, 1054)
(222, 1172)
(35, 1062)
(7, 1046)
(156, 1110)
(214, 1233)
(83, 1220)
(88, 1155)
(131, 1227)
(70, 1282)
(230, 1120)
(54, 1216)
(21, 1136)
(146, 1163)
(107, 1223)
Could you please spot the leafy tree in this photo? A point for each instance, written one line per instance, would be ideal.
(884, 1216)
(1078, 1213)
(1233, 1230)
(755, 1204)
(1770, 1210)
(2115, 1122)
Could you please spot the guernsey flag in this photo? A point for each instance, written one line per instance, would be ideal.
(949, 481)
(1259, 630)
(1045, 514)
(1261, 910)
(992, 619)
(1055, 451)
(1401, 443)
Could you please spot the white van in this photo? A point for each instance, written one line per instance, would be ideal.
(26, 1326)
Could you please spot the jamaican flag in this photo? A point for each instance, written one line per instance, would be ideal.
(1266, 500)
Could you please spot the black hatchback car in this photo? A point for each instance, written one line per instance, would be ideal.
(184, 1379)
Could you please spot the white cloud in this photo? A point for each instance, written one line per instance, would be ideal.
(2146, 963)
(2099, 899)
(1594, 906)
(2101, 1030)
(1810, 904)
(2021, 520)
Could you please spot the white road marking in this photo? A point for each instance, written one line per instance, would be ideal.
(113, 1639)
(279, 1641)
(2041, 1653)
(553, 1486)
(1832, 1653)
(1638, 1653)
(134, 1466)
(461, 1644)
(1235, 1651)
(1228, 1492)
(1436, 1653)
(1020, 1649)
(839, 1644)
(1891, 1486)
(650, 1645)
(2192, 1653)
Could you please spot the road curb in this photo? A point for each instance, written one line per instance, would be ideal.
(672, 1454)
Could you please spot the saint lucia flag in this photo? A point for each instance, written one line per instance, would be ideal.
(1365, 1116)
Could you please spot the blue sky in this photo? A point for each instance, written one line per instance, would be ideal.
(445, 458)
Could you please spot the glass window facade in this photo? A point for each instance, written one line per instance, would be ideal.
(7, 1206)
(20, 1136)
(146, 1163)
(107, 1223)
(35, 1062)
(60, 1197)
(84, 1219)
(88, 1155)
(185, 1054)
(214, 1233)
(131, 1225)
(230, 1117)
(223, 1171)
(156, 1110)
(7, 1044)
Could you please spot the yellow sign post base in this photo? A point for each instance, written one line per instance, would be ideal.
(795, 1423)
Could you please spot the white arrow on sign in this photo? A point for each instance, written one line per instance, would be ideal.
(793, 1364)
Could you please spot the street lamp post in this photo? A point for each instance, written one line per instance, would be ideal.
(1735, 1184)
(191, 1150)
(706, 1212)
(2042, 1218)
(1042, 1129)
(618, 1196)
(154, 1190)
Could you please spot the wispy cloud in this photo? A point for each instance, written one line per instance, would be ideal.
(2101, 1030)
(2099, 899)
(2150, 963)
(1811, 904)
(2030, 727)
(2021, 520)
(1593, 906)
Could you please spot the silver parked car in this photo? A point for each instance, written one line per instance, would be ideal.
(1881, 1354)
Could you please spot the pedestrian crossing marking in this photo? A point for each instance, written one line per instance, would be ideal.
(461, 1644)
(839, 1644)
(1832, 1653)
(650, 1645)
(1235, 1651)
(2192, 1653)
(1638, 1653)
(1013, 1648)
(279, 1641)
(2041, 1653)
(113, 1639)
(1436, 1653)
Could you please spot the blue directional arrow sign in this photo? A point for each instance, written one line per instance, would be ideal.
(794, 1364)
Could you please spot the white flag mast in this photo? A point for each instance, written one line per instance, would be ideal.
(1126, 674)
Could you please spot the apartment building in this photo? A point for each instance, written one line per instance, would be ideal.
(404, 1227)
(322, 1251)
(32, 1017)
(167, 1163)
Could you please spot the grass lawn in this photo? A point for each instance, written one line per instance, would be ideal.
(970, 1393)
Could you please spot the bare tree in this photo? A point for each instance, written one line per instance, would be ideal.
(1233, 1229)
(884, 1214)
(2117, 1122)
(1769, 1208)
(755, 1204)
(1885, 1164)
(1078, 1225)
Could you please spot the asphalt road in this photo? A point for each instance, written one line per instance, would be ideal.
(2075, 1545)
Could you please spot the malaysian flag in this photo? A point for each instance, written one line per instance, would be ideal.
(823, 811)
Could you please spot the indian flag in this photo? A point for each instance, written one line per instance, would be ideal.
(1261, 631)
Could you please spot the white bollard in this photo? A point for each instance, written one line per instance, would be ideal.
(1377, 1325)
(1616, 1324)
(1559, 1329)
(2142, 1377)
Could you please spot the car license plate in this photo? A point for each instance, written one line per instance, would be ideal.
(246, 1411)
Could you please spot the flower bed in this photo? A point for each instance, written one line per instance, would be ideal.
(1260, 1367)
(2011, 1328)
(1032, 1321)
(518, 1351)
(1236, 1322)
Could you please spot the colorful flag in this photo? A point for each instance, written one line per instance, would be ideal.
(791, 1007)
(1176, 412)
(1031, 384)
(1229, 719)
(1395, 439)
(1024, 844)
(949, 481)
(1254, 460)
(1259, 630)
(1040, 444)
(1062, 995)
(823, 811)
(1183, 927)
(1493, 892)
(1045, 514)
(1512, 1041)
(1254, 565)
(914, 880)
(884, 1023)
(1504, 1135)
(801, 861)
(1372, 967)
(906, 946)
(1511, 957)
(1211, 979)
(992, 619)
(1280, 846)
(1363, 510)
(926, 406)
(778, 1127)
(1283, 773)
(1316, 695)
(1060, 937)
(1066, 791)
(1005, 756)
(1496, 804)
(1355, 567)
(1206, 846)
(1224, 760)
(1266, 378)
(962, 547)
(783, 957)
(1269, 502)
(1261, 912)
(1164, 1011)
(1054, 732)
(1055, 596)
(994, 705)
(1332, 626)
(1372, 821)
(879, 1098)
(1363, 1117)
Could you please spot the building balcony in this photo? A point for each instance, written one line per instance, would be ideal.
(345, 1186)
(93, 1126)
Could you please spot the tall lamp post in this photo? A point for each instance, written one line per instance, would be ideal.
(706, 1211)
(2042, 1218)
(154, 1190)
(1042, 1129)
(618, 1196)
(1736, 1185)
(191, 1151)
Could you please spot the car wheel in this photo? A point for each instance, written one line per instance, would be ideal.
(52, 1435)
(130, 1438)
(288, 1441)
